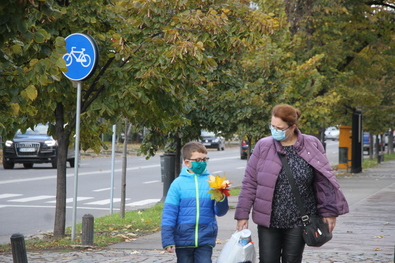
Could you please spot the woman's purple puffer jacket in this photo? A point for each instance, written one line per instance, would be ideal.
(261, 176)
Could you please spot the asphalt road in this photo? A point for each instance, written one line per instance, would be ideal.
(27, 196)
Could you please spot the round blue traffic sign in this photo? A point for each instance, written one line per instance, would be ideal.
(82, 56)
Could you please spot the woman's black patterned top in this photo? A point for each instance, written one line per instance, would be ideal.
(285, 211)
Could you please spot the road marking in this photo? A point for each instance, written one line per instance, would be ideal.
(53, 207)
(101, 190)
(30, 199)
(217, 172)
(72, 175)
(96, 172)
(239, 168)
(225, 158)
(103, 202)
(2, 196)
(151, 182)
(106, 201)
(28, 179)
(143, 202)
(69, 200)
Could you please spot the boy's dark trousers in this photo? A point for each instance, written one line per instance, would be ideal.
(194, 255)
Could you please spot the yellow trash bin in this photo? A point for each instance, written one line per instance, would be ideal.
(345, 150)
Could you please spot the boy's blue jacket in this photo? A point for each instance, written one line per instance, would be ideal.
(188, 218)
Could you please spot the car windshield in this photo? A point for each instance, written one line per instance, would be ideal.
(38, 130)
(206, 133)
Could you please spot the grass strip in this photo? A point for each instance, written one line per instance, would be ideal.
(108, 230)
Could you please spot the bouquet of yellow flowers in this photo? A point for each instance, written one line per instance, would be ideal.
(219, 187)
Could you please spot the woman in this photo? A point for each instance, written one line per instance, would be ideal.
(266, 189)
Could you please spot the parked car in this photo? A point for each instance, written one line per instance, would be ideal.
(366, 140)
(33, 146)
(332, 133)
(244, 149)
(211, 140)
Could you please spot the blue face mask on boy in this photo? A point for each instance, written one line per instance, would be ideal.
(278, 135)
(198, 167)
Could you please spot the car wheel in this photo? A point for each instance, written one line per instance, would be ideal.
(28, 165)
(8, 165)
(54, 163)
(71, 162)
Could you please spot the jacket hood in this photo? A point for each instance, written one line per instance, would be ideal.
(185, 173)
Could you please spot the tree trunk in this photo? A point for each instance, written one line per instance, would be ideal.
(391, 141)
(249, 138)
(299, 15)
(62, 137)
(128, 128)
(177, 161)
(372, 147)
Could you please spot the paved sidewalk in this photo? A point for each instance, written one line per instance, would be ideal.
(366, 234)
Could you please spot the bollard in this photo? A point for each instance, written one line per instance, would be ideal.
(18, 248)
(87, 229)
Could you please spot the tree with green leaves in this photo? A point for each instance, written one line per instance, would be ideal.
(328, 58)
(155, 59)
(353, 40)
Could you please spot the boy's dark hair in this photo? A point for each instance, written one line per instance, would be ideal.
(191, 147)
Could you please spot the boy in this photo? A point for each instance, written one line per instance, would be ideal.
(189, 225)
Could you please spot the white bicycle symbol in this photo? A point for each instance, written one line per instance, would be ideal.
(82, 58)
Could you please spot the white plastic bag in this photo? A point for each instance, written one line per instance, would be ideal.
(234, 252)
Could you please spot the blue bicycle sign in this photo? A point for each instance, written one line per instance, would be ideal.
(81, 57)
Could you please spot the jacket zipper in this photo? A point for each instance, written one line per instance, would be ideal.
(197, 212)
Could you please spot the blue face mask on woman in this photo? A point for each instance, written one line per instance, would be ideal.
(278, 135)
(198, 167)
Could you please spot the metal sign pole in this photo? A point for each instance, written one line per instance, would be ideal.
(81, 61)
(77, 158)
(114, 128)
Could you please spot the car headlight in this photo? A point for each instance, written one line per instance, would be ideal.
(8, 143)
(216, 140)
(50, 143)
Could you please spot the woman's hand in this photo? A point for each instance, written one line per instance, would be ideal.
(242, 224)
(331, 222)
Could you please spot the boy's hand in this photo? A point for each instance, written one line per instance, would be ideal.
(170, 249)
(216, 194)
